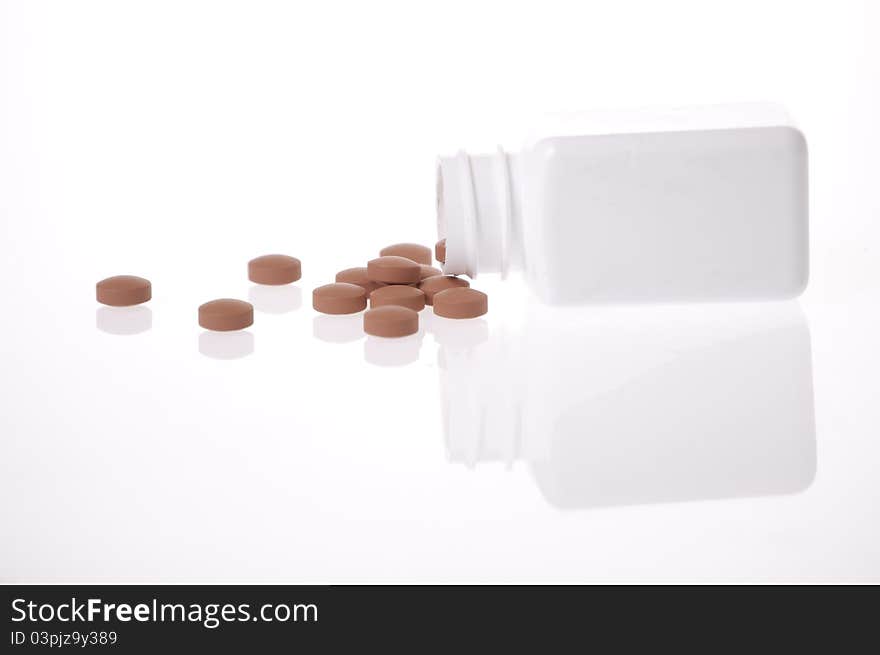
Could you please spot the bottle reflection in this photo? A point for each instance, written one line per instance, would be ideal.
(620, 406)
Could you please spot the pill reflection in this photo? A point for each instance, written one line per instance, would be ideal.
(456, 333)
(393, 352)
(342, 328)
(124, 320)
(226, 345)
(275, 299)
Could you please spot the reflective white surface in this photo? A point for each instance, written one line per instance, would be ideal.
(651, 444)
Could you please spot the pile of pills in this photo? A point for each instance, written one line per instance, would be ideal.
(397, 285)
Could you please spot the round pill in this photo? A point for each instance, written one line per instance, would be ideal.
(274, 269)
(358, 276)
(123, 290)
(440, 251)
(461, 303)
(429, 271)
(398, 294)
(339, 298)
(438, 283)
(393, 269)
(226, 314)
(391, 321)
(414, 251)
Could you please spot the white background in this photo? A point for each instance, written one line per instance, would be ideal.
(176, 140)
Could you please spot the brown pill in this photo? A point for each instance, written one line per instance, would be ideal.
(358, 276)
(274, 269)
(391, 321)
(417, 253)
(461, 303)
(123, 290)
(440, 251)
(429, 271)
(438, 283)
(339, 298)
(398, 294)
(226, 314)
(393, 269)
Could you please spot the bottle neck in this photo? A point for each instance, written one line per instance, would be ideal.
(479, 214)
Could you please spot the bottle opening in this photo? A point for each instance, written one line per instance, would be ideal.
(457, 214)
(476, 212)
(441, 223)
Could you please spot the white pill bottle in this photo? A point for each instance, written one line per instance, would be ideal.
(690, 204)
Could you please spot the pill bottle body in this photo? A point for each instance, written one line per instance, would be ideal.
(694, 204)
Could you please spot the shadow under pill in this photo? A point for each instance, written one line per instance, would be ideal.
(124, 320)
(343, 328)
(275, 299)
(226, 345)
(381, 351)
